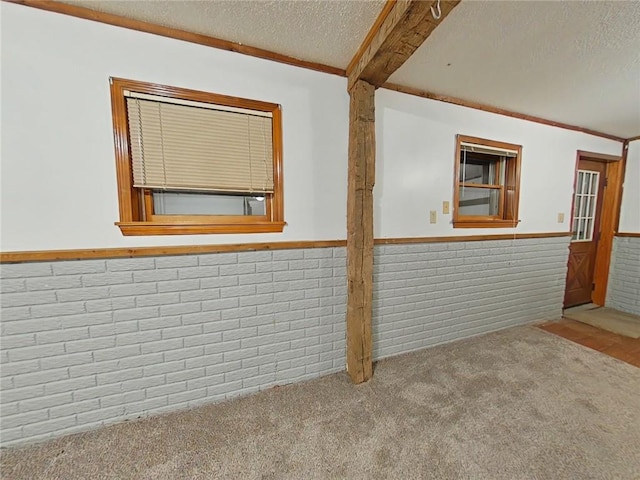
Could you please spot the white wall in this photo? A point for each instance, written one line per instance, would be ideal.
(58, 164)
(630, 209)
(58, 167)
(415, 164)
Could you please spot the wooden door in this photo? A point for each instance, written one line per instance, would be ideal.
(585, 221)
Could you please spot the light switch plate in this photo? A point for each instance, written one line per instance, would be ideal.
(561, 218)
(445, 207)
(433, 216)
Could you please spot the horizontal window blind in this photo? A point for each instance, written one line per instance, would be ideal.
(186, 147)
(471, 147)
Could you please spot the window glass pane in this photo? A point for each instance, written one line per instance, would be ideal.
(479, 201)
(578, 205)
(588, 229)
(196, 203)
(580, 186)
(479, 168)
(586, 199)
(478, 172)
(585, 204)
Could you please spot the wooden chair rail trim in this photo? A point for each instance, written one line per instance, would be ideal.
(119, 21)
(469, 238)
(500, 111)
(131, 252)
(628, 234)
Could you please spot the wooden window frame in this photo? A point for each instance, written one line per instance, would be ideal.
(508, 207)
(135, 203)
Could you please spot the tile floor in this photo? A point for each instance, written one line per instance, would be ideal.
(617, 346)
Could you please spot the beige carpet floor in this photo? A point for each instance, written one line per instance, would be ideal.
(606, 318)
(515, 404)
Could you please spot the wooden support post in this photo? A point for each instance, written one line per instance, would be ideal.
(400, 29)
(360, 230)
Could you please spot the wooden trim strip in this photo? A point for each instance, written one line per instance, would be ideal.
(468, 238)
(602, 157)
(609, 220)
(131, 252)
(488, 108)
(628, 235)
(632, 139)
(619, 186)
(160, 228)
(118, 21)
(52, 255)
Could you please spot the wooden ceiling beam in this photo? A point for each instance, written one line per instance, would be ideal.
(401, 27)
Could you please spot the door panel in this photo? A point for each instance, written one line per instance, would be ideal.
(585, 221)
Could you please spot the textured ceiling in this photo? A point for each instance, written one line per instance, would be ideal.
(321, 31)
(573, 62)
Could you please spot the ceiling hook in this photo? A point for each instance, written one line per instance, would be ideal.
(437, 15)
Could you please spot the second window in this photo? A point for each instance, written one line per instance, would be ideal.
(487, 183)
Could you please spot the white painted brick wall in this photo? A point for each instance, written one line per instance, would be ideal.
(427, 294)
(623, 290)
(86, 343)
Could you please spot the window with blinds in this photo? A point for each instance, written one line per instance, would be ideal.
(486, 183)
(196, 162)
(199, 147)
